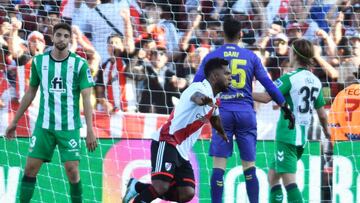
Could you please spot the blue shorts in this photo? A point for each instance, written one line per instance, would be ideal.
(242, 124)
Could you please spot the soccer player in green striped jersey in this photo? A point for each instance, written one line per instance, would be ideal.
(302, 91)
(62, 77)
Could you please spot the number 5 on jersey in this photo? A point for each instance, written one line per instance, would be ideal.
(238, 74)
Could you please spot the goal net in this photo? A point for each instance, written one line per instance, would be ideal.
(143, 54)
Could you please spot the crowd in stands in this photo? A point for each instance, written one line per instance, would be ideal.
(144, 53)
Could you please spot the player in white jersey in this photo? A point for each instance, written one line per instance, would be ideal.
(62, 77)
(302, 91)
(172, 174)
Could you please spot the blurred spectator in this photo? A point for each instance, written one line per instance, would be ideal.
(114, 90)
(354, 37)
(346, 66)
(170, 35)
(161, 84)
(278, 55)
(83, 47)
(191, 64)
(212, 34)
(48, 16)
(193, 32)
(300, 25)
(22, 52)
(81, 12)
(101, 28)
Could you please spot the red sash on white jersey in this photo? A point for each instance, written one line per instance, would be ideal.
(182, 134)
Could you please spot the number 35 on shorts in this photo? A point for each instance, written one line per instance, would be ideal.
(237, 73)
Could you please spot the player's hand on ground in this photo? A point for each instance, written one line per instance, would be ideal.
(91, 142)
(289, 116)
(10, 131)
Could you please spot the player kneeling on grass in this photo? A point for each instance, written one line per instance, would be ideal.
(62, 77)
(302, 91)
(172, 175)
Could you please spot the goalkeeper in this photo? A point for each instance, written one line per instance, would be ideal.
(302, 91)
(62, 76)
(237, 112)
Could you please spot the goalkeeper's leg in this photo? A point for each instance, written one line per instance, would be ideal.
(29, 179)
(292, 190)
(72, 172)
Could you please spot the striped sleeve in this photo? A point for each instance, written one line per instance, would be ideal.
(34, 77)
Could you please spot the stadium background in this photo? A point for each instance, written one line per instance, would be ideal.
(328, 171)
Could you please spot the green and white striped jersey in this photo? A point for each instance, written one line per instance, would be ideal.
(302, 91)
(60, 85)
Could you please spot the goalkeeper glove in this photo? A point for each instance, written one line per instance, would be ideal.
(288, 115)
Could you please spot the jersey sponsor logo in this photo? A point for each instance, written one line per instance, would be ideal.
(57, 85)
(238, 95)
(168, 166)
(89, 77)
(201, 118)
(44, 67)
(278, 83)
(73, 143)
(280, 155)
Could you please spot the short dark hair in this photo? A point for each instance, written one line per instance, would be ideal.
(64, 26)
(304, 50)
(231, 27)
(213, 64)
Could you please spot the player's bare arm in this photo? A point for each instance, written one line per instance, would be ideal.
(323, 121)
(91, 142)
(201, 99)
(25, 103)
(216, 124)
(262, 97)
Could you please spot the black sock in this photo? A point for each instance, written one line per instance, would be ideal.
(139, 186)
(147, 195)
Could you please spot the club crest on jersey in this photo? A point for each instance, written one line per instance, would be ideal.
(168, 166)
(278, 83)
(89, 76)
(57, 85)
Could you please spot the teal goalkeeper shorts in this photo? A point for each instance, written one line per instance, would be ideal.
(44, 141)
(286, 157)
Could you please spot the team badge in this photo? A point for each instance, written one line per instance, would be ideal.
(89, 76)
(168, 166)
(278, 83)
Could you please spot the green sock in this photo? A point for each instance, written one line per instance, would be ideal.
(27, 188)
(76, 192)
(293, 193)
(276, 195)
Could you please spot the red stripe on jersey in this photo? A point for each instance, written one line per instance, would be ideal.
(122, 82)
(62, 6)
(189, 180)
(163, 173)
(180, 135)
